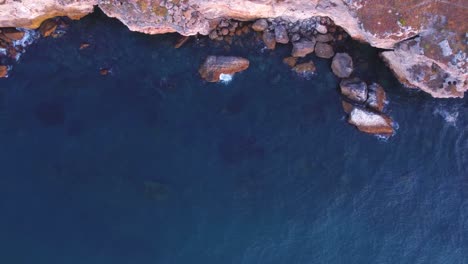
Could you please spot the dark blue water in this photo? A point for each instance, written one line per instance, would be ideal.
(152, 165)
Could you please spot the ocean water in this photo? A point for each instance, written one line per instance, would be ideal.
(150, 164)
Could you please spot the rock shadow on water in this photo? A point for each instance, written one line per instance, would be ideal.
(235, 149)
(236, 104)
(155, 191)
(50, 113)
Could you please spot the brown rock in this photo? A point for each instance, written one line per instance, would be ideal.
(303, 48)
(3, 71)
(84, 45)
(305, 69)
(214, 66)
(104, 71)
(370, 122)
(354, 89)
(260, 25)
(269, 39)
(321, 29)
(342, 65)
(290, 61)
(347, 106)
(324, 50)
(376, 97)
(48, 27)
(323, 37)
(281, 35)
(13, 33)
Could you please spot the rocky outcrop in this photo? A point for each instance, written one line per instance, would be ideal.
(216, 67)
(371, 122)
(426, 40)
(365, 105)
(31, 13)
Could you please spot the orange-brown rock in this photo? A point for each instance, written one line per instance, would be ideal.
(3, 71)
(305, 69)
(12, 33)
(290, 61)
(347, 106)
(269, 39)
(48, 27)
(376, 97)
(214, 66)
(371, 122)
(302, 48)
(84, 45)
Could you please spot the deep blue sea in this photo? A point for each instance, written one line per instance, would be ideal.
(150, 164)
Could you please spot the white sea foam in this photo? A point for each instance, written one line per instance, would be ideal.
(225, 78)
(30, 36)
(449, 116)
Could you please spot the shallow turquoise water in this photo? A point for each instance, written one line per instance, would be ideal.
(152, 165)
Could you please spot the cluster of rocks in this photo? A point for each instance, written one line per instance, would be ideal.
(227, 28)
(13, 41)
(307, 36)
(8, 48)
(363, 103)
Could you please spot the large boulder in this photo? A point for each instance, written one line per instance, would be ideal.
(214, 66)
(302, 48)
(376, 97)
(371, 122)
(342, 65)
(354, 89)
(324, 50)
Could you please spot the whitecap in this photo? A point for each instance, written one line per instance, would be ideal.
(225, 78)
(449, 116)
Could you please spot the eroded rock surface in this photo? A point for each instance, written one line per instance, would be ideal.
(427, 40)
(215, 66)
(371, 122)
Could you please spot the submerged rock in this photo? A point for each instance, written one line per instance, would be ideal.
(342, 65)
(324, 50)
(371, 122)
(376, 97)
(305, 69)
(3, 71)
(303, 48)
(269, 39)
(290, 61)
(354, 89)
(215, 66)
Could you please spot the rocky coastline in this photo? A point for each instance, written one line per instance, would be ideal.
(433, 62)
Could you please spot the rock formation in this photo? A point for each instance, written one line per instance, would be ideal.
(425, 40)
(215, 67)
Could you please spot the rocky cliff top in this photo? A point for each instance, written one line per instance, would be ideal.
(425, 41)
